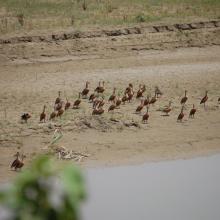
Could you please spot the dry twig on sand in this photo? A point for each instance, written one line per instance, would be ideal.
(65, 154)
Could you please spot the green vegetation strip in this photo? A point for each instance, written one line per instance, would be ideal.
(44, 14)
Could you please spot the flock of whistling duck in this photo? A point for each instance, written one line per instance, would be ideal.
(98, 102)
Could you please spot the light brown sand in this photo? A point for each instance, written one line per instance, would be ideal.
(27, 87)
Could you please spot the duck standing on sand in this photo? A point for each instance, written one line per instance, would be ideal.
(67, 105)
(25, 117)
(141, 90)
(118, 102)
(58, 99)
(158, 92)
(18, 163)
(43, 115)
(98, 110)
(204, 99)
(167, 109)
(113, 96)
(112, 107)
(140, 107)
(145, 116)
(184, 99)
(180, 116)
(53, 115)
(99, 88)
(77, 102)
(192, 112)
(153, 99)
(85, 91)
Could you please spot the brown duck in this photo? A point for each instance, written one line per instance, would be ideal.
(192, 112)
(85, 91)
(43, 115)
(77, 102)
(180, 116)
(145, 116)
(18, 162)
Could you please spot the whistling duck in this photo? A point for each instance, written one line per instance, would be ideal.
(130, 95)
(96, 101)
(25, 117)
(18, 163)
(184, 99)
(139, 92)
(85, 91)
(92, 97)
(204, 99)
(58, 99)
(167, 109)
(145, 116)
(58, 106)
(153, 99)
(192, 112)
(158, 92)
(124, 98)
(100, 89)
(101, 103)
(60, 113)
(118, 102)
(67, 105)
(77, 102)
(98, 111)
(129, 88)
(180, 116)
(113, 96)
(16, 160)
(53, 115)
(112, 107)
(147, 100)
(140, 107)
(43, 115)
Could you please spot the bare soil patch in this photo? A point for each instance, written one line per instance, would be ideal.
(31, 74)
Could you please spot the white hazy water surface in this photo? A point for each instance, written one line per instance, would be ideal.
(170, 190)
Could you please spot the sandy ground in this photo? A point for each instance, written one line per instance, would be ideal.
(27, 86)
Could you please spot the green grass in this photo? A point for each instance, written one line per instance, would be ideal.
(49, 14)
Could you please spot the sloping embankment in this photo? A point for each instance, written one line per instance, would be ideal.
(116, 32)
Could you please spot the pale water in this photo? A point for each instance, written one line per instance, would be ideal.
(173, 190)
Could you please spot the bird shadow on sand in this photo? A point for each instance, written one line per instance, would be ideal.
(17, 171)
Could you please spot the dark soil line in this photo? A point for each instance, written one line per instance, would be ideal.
(111, 33)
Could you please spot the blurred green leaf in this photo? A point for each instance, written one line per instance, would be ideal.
(45, 190)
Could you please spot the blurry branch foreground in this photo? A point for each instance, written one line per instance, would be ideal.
(45, 191)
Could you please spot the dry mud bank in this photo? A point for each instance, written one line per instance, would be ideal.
(32, 73)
